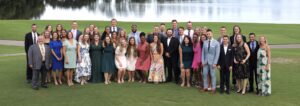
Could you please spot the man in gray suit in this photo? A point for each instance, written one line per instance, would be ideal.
(40, 61)
(210, 57)
(134, 33)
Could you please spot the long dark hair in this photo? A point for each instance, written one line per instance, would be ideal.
(240, 30)
(104, 42)
(158, 47)
(129, 47)
(190, 41)
(195, 41)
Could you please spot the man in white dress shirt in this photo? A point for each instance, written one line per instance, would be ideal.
(189, 30)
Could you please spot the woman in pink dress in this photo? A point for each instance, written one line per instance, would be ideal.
(197, 59)
(143, 62)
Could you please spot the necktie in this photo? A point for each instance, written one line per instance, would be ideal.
(42, 52)
(34, 38)
(208, 45)
(252, 44)
(189, 32)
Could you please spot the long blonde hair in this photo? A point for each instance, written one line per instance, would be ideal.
(266, 43)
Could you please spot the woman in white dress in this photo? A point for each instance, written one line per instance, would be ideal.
(120, 60)
(83, 70)
(131, 58)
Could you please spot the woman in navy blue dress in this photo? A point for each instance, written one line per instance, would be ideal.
(186, 54)
(57, 58)
(108, 59)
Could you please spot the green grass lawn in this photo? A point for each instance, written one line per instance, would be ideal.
(277, 33)
(14, 90)
(11, 49)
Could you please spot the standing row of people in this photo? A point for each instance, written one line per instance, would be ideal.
(189, 56)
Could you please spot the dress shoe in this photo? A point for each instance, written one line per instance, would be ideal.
(35, 88)
(44, 86)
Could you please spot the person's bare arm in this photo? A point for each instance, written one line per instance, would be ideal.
(248, 53)
(269, 58)
(180, 56)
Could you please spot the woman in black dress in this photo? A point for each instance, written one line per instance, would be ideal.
(96, 56)
(241, 56)
(108, 59)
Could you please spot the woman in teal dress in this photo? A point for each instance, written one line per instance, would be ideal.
(186, 54)
(264, 68)
(96, 56)
(108, 59)
(69, 50)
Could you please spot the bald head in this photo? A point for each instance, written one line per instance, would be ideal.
(40, 39)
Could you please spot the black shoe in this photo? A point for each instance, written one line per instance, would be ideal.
(28, 81)
(228, 92)
(44, 86)
(251, 90)
(222, 91)
(35, 88)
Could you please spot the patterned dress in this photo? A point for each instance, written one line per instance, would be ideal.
(241, 69)
(122, 58)
(156, 72)
(70, 53)
(84, 67)
(131, 60)
(264, 76)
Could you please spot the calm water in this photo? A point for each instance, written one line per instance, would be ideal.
(258, 11)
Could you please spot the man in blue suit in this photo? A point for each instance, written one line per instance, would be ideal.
(210, 57)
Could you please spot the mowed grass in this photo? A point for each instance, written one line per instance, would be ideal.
(11, 49)
(276, 33)
(15, 91)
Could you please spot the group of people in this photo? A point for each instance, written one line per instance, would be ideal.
(186, 56)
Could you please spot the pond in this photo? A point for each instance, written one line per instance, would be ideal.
(257, 11)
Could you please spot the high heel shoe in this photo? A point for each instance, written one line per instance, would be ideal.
(239, 91)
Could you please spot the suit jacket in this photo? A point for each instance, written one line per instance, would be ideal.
(118, 29)
(175, 32)
(136, 36)
(28, 41)
(172, 49)
(232, 39)
(211, 56)
(35, 56)
(150, 38)
(226, 60)
(253, 53)
(78, 33)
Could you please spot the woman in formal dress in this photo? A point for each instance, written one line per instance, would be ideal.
(143, 61)
(69, 50)
(63, 36)
(241, 56)
(106, 33)
(108, 59)
(120, 60)
(264, 67)
(114, 38)
(122, 34)
(57, 58)
(83, 69)
(58, 30)
(96, 59)
(47, 40)
(49, 29)
(197, 59)
(131, 58)
(186, 55)
(156, 72)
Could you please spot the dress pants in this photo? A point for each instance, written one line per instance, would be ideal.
(36, 74)
(208, 69)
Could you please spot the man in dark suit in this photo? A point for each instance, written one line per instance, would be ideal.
(39, 59)
(225, 63)
(253, 47)
(113, 27)
(171, 46)
(30, 39)
(75, 31)
(156, 31)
